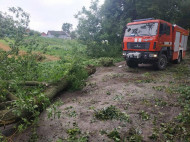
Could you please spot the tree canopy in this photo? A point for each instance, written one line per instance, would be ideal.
(67, 27)
(107, 22)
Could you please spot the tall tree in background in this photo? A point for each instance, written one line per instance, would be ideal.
(89, 22)
(160, 9)
(67, 27)
(91, 32)
(184, 18)
(115, 17)
(14, 27)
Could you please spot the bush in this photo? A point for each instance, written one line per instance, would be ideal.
(106, 62)
(98, 49)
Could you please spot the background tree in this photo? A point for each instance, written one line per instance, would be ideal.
(73, 35)
(14, 27)
(89, 25)
(67, 27)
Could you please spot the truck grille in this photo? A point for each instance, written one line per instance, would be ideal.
(138, 45)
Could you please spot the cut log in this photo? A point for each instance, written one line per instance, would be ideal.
(3, 105)
(8, 117)
(27, 83)
(34, 83)
(11, 97)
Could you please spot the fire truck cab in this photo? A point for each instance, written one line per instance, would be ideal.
(154, 41)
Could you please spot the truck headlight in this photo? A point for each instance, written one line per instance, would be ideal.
(153, 55)
(124, 53)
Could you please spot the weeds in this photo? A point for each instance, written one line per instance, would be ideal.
(133, 135)
(53, 112)
(106, 62)
(159, 88)
(75, 135)
(110, 113)
(144, 115)
(159, 102)
(146, 80)
(179, 128)
(114, 135)
(118, 97)
(108, 93)
(155, 134)
(72, 113)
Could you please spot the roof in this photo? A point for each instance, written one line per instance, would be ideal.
(57, 33)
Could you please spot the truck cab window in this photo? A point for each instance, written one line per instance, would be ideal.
(164, 29)
(168, 30)
(145, 29)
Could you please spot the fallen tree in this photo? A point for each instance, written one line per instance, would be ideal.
(7, 115)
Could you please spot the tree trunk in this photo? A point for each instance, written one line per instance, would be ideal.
(3, 105)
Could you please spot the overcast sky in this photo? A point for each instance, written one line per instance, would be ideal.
(48, 14)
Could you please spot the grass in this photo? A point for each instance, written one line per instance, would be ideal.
(65, 49)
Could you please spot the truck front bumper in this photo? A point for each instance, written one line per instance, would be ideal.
(141, 56)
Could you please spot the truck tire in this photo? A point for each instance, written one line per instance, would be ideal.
(162, 62)
(178, 61)
(132, 64)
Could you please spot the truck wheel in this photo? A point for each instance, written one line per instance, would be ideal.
(132, 64)
(162, 62)
(179, 59)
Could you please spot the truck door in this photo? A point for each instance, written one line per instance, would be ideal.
(165, 38)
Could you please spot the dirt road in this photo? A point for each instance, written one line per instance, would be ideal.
(142, 94)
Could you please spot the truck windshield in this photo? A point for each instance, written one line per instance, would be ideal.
(146, 29)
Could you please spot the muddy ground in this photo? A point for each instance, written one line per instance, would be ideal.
(141, 93)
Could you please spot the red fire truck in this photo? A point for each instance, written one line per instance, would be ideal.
(154, 41)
